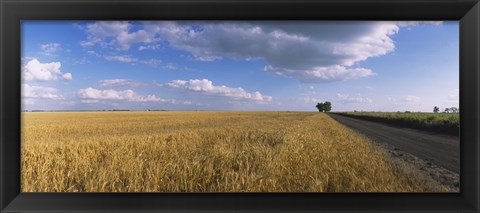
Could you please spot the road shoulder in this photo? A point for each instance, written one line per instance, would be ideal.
(443, 176)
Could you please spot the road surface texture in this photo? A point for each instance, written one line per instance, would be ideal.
(441, 150)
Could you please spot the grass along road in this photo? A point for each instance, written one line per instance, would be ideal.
(445, 123)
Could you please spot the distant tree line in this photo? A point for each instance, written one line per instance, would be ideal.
(447, 110)
(324, 106)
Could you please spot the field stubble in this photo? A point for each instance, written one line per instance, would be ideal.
(205, 152)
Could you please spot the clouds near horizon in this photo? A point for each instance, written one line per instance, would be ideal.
(205, 86)
(116, 95)
(34, 92)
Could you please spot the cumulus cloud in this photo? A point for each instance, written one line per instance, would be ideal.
(67, 76)
(50, 48)
(206, 86)
(34, 92)
(34, 70)
(117, 95)
(345, 98)
(116, 33)
(308, 51)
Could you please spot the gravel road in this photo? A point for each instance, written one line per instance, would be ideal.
(438, 149)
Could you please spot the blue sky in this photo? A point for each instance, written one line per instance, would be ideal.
(256, 65)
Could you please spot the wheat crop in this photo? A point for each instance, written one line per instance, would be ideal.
(205, 152)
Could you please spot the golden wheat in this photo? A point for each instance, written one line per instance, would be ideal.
(204, 152)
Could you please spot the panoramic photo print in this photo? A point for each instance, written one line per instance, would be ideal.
(240, 106)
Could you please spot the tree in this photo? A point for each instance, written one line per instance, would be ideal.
(447, 110)
(327, 106)
(436, 109)
(453, 109)
(320, 107)
(324, 107)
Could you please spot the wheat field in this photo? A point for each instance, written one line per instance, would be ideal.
(205, 152)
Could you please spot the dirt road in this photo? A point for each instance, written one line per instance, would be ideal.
(441, 150)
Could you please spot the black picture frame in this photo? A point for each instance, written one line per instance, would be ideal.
(12, 12)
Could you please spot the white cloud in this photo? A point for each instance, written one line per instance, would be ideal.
(99, 31)
(308, 51)
(345, 98)
(50, 48)
(34, 70)
(206, 86)
(148, 47)
(116, 33)
(106, 94)
(32, 92)
(177, 83)
(120, 83)
(322, 74)
(117, 95)
(67, 76)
